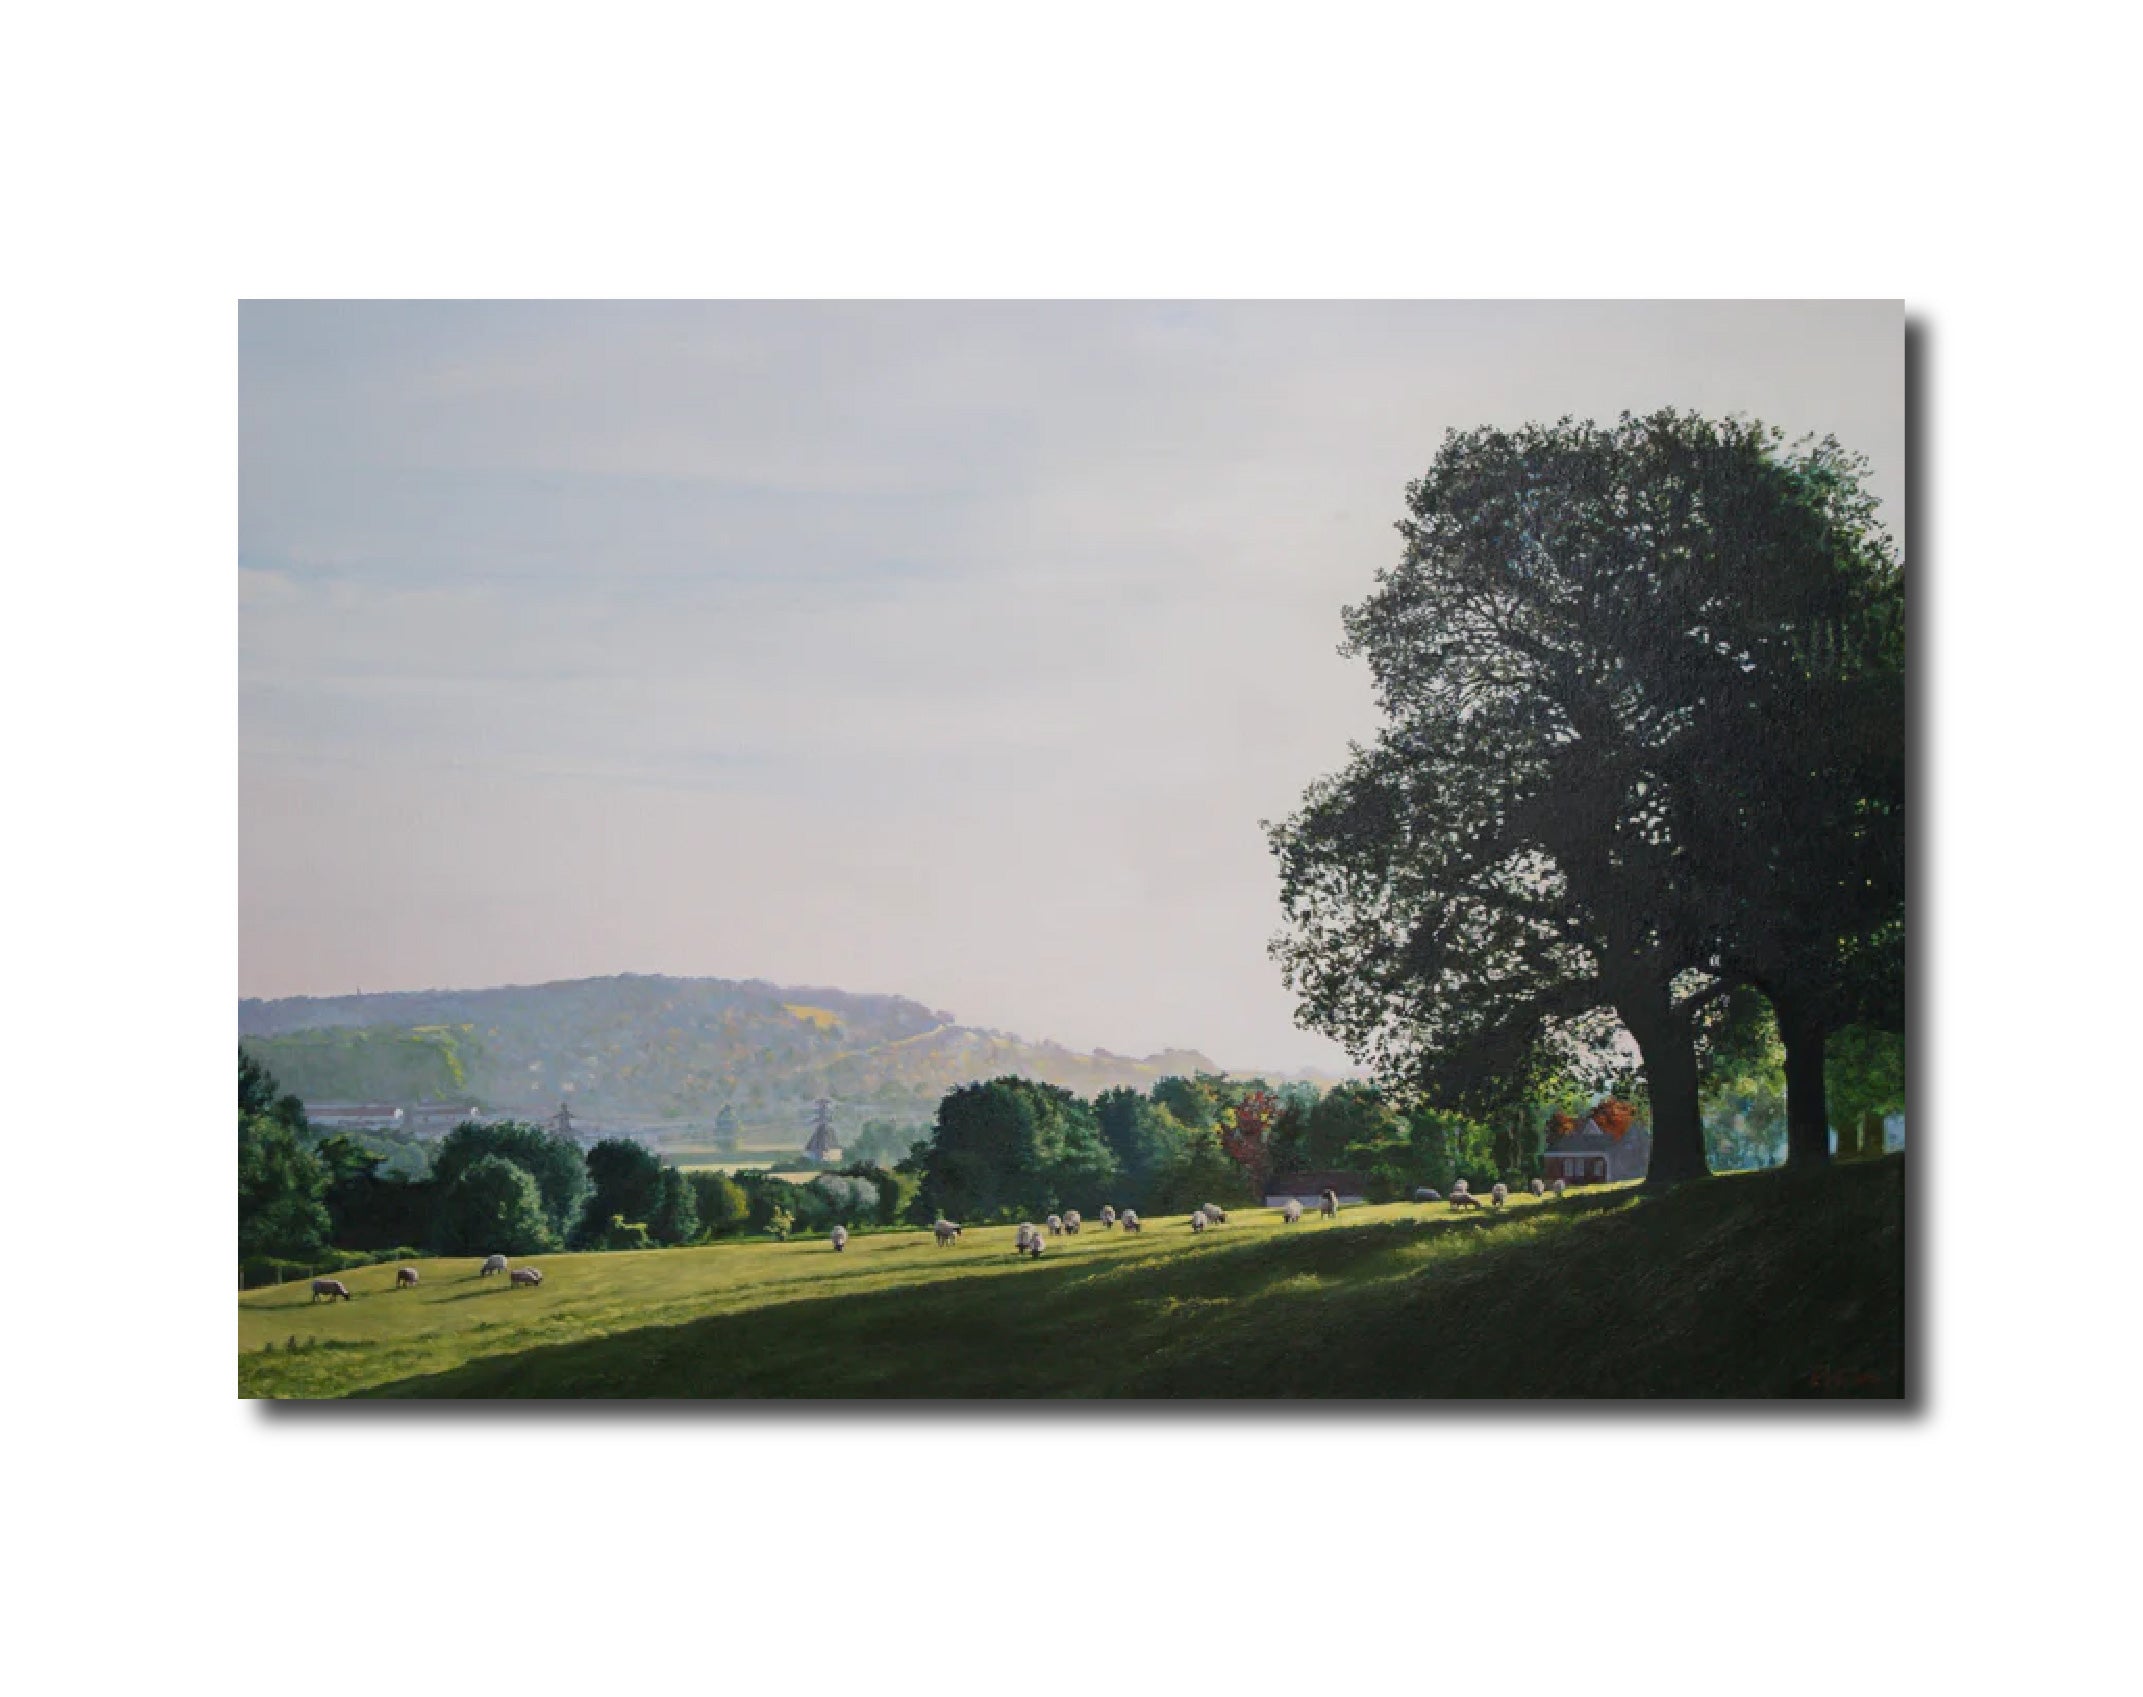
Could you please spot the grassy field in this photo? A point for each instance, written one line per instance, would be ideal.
(1756, 1285)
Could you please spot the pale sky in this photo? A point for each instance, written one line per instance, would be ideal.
(948, 650)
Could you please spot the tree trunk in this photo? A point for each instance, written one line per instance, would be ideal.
(1668, 1044)
(1807, 1110)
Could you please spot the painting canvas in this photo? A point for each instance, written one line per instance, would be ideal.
(1087, 849)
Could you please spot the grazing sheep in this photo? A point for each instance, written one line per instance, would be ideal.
(492, 1264)
(1290, 1211)
(1055, 1223)
(1428, 1195)
(1216, 1213)
(1461, 1188)
(1536, 1187)
(1072, 1222)
(1464, 1199)
(404, 1276)
(1328, 1204)
(1108, 1217)
(525, 1276)
(1557, 1187)
(1129, 1220)
(1020, 1237)
(330, 1288)
(1198, 1221)
(946, 1231)
(1028, 1241)
(838, 1237)
(1500, 1195)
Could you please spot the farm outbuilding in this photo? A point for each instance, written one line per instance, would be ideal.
(1306, 1188)
(1589, 1156)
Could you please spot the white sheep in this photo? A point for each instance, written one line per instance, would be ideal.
(1557, 1187)
(1464, 1199)
(492, 1264)
(1536, 1187)
(1198, 1221)
(1461, 1188)
(1129, 1221)
(1055, 1222)
(1426, 1195)
(1290, 1211)
(1072, 1222)
(525, 1276)
(1500, 1195)
(404, 1276)
(1328, 1204)
(945, 1230)
(330, 1288)
(1108, 1217)
(1216, 1213)
(838, 1237)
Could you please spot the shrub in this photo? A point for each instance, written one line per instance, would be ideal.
(622, 1233)
(492, 1207)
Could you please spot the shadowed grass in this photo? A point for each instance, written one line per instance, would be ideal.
(1752, 1286)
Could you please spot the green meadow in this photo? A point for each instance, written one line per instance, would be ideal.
(1755, 1285)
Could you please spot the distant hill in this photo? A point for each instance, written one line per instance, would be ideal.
(651, 1054)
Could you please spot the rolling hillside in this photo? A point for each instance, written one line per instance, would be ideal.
(650, 1052)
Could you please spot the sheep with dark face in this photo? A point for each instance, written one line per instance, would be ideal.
(945, 1231)
(1536, 1187)
(1072, 1222)
(492, 1264)
(1129, 1220)
(1020, 1237)
(404, 1276)
(1108, 1217)
(1028, 1242)
(1198, 1221)
(838, 1237)
(1500, 1195)
(525, 1276)
(1055, 1223)
(330, 1288)
(1328, 1204)
(1464, 1199)
(1216, 1213)
(1290, 1211)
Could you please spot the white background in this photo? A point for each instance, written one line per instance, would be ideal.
(163, 162)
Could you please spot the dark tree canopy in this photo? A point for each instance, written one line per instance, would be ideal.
(554, 1162)
(1571, 655)
(492, 1207)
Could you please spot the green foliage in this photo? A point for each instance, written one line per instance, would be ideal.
(722, 1205)
(620, 1233)
(1011, 1145)
(492, 1206)
(1349, 1116)
(554, 1162)
(676, 1216)
(625, 1178)
(282, 1185)
(377, 1063)
(1198, 1172)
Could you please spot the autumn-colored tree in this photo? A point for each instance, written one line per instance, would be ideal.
(1613, 1117)
(1560, 1125)
(1246, 1135)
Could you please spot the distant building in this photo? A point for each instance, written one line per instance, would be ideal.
(435, 1119)
(354, 1116)
(823, 1148)
(1308, 1188)
(1589, 1156)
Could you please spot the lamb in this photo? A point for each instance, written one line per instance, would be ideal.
(1500, 1195)
(492, 1264)
(1464, 1199)
(525, 1276)
(1028, 1241)
(946, 1231)
(1072, 1221)
(1290, 1211)
(1216, 1213)
(1328, 1204)
(330, 1288)
(838, 1237)
(1108, 1217)
(404, 1276)
(1055, 1222)
(1129, 1219)
(1198, 1221)
(1536, 1187)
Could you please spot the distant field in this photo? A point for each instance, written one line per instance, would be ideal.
(1752, 1285)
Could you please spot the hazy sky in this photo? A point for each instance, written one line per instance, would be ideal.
(951, 650)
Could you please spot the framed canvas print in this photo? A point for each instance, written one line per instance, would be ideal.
(1089, 849)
